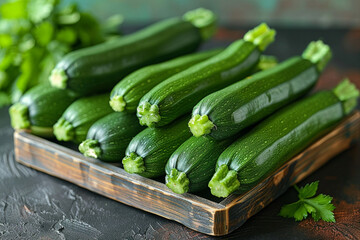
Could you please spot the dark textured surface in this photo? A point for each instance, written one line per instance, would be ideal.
(34, 205)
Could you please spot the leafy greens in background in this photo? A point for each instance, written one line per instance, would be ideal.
(320, 207)
(35, 34)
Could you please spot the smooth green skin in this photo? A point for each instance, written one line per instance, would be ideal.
(113, 134)
(98, 68)
(155, 146)
(179, 94)
(252, 99)
(280, 137)
(44, 104)
(134, 86)
(196, 157)
(84, 112)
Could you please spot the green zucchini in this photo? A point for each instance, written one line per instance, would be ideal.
(226, 112)
(126, 95)
(178, 94)
(98, 68)
(109, 136)
(277, 139)
(75, 122)
(191, 166)
(39, 109)
(149, 151)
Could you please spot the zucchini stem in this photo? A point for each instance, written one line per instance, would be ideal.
(261, 36)
(200, 125)
(133, 163)
(58, 78)
(63, 130)
(266, 62)
(318, 53)
(90, 148)
(177, 181)
(19, 114)
(347, 94)
(117, 103)
(148, 114)
(204, 20)
(224, 182)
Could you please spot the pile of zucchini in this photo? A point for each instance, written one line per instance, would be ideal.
(223, 118)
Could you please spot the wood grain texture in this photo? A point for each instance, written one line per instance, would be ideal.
(193, 211)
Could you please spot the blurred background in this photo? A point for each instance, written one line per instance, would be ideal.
(36, 34)
(294, 13)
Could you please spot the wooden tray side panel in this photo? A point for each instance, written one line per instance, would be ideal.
(132, 190)
(242, 207)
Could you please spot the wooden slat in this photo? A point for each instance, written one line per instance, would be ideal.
(193, 211)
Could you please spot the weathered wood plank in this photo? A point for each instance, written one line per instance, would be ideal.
(193, 211)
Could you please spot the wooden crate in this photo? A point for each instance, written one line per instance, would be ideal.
(207, 216)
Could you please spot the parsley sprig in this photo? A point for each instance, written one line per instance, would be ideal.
(320, 207)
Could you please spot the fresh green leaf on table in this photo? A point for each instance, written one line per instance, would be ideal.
(320, 207)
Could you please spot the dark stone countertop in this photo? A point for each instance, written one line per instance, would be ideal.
(34, 205)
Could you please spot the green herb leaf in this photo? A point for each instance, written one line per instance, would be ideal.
(4, 80)
(14, 9)
(319, 207)
(289, 209)
(300, 213)
(67, 35)
(68, 15)
(43, 33)
(5, 41)
(112, 24)
(40, 10)
(4, 99)
(35, 35)
(324, 208)
(309, 190)
(88, 30)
